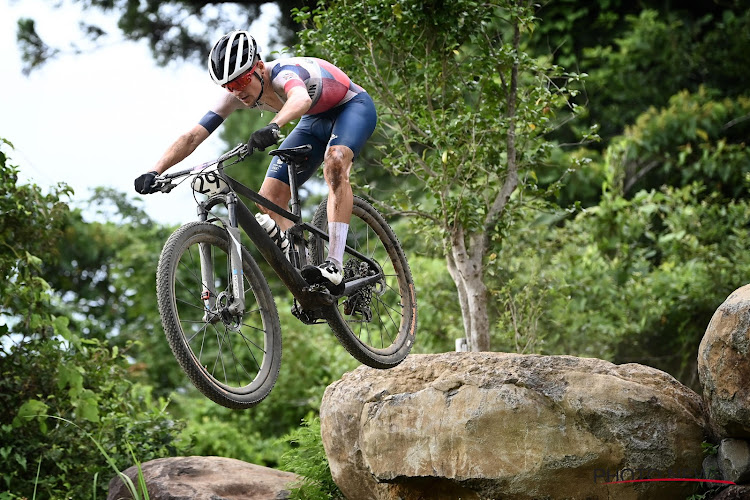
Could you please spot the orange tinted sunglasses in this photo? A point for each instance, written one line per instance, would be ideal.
(241, 81)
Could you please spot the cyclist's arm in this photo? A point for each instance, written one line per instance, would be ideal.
(181, 148)
(297, 103)
(190, 140)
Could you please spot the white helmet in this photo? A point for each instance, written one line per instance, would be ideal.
(234, 53)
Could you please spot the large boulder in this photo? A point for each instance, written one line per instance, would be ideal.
(494, 425)
(724, 367)
(205, 478)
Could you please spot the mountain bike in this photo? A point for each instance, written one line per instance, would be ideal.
(218, 313)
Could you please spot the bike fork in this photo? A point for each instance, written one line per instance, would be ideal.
(236, 300)
(237, 305)
(208, 294)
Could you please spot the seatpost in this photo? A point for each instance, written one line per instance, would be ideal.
(294, 201)
(299, 255)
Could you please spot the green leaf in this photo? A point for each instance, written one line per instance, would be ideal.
(88, 406)
(31, 409)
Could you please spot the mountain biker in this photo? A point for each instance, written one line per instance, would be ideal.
(336, 118)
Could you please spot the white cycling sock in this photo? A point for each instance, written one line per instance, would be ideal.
(337, 232)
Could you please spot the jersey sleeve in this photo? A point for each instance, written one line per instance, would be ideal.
(288, 76)
(219, 112)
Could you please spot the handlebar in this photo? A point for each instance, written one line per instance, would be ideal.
(163, 183)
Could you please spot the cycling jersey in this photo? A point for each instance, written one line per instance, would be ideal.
(326, 84)
(341, 113)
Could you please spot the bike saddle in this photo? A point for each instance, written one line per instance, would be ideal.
(293, 155)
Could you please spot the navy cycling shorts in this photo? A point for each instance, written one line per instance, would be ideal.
(350, 124)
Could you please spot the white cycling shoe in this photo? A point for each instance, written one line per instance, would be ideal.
(327, 274)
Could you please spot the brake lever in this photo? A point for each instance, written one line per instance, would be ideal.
(163, 185)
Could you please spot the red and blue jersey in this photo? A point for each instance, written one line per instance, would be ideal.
(326, 84)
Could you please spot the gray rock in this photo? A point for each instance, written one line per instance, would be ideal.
(494, 425)
(711, 467)
(724, 367)
(734, 460)
(205, 478)
(733, 493)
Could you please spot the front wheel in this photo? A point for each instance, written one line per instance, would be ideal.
(376, 324)
(232, 357)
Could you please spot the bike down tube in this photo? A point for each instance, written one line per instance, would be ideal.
(275, 257)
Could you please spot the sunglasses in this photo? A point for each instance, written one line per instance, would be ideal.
(240, 82)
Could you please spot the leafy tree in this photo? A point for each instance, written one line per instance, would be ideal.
(467, 108)
(175, 30)
(50, 377)
(105, 280)
(698, 137)
(631, 280)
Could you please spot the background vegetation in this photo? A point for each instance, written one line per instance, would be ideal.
(619, 248)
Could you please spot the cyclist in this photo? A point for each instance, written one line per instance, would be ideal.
(336, 117)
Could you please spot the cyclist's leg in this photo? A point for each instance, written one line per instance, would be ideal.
(275, 186)
(352, 128)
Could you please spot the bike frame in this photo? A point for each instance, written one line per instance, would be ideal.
(239, 215)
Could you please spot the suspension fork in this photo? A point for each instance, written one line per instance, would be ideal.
(237, 304)
(236, 274)
(208, 290)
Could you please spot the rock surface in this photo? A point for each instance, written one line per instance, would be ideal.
(206, 478)
(724, 367)
(494, 425)
(733, 460)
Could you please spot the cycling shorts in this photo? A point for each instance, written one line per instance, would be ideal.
(349, 124)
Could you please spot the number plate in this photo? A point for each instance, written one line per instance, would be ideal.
(209, 183)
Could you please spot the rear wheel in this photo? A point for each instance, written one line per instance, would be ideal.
(232, 358)
(376, 324)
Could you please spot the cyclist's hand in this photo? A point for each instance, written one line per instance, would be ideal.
(145, 182)
(262, 138)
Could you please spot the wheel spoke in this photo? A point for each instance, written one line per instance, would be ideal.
(376, 324)
(233, 359)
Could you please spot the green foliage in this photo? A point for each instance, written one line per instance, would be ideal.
(638, 70)
(106, 286)
(450, 104)
(307, 458)
(699, 137)
(638, 55)
(29, 226)
(49, 375)
(177, 30)
(629, 280)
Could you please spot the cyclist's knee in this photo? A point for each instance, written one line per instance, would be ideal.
(338, 163)
(276, 191)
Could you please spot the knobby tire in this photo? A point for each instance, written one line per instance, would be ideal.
(378, 325)
(233, 361)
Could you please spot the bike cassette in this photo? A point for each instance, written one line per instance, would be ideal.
(359, 303)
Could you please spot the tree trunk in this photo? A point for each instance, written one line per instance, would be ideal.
(465, 267)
